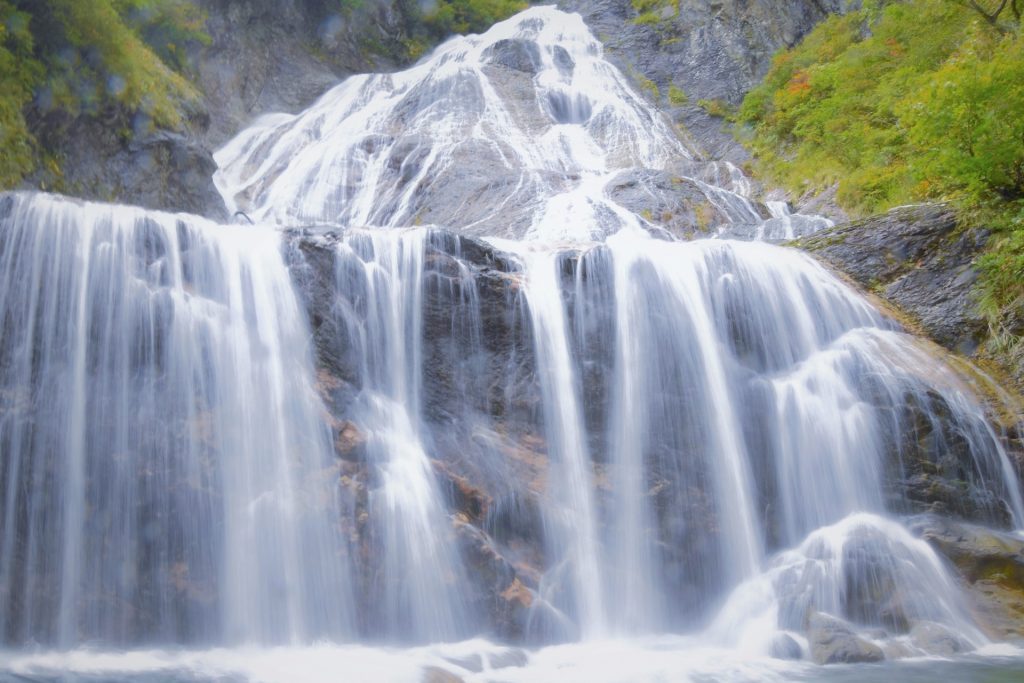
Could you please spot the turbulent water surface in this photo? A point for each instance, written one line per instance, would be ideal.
(339, 446)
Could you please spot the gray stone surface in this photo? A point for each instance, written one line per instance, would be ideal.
(917, 258)
(710, 49)
(832, 641)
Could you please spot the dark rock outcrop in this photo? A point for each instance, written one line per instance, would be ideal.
(99, 159)
(918, 259)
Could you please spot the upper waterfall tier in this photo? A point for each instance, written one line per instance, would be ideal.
(523, 131)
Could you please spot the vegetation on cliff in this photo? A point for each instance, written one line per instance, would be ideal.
(71, 57)
(910, 101)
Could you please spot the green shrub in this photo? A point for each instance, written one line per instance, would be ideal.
(676, 96)
(468, 16)
(19, 73)
(916, 100)
(719, 108)
(86, 56)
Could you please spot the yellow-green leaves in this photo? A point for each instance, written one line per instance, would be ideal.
(901, 102)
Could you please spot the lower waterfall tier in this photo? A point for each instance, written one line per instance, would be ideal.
(534, 444)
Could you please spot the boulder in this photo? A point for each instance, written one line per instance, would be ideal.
(936, 639)
(833, 641)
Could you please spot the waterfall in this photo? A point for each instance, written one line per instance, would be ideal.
(572, 512)
(157, 407)
(459, 382)
(503, 134)
(421, 574)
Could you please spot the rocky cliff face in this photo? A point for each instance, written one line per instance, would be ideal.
(708, 49)
(280, 56)
(916, 258)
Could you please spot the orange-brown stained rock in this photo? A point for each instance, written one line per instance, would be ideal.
(517, 592)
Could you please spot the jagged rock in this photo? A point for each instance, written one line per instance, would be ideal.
(936, 639)
(520, 55)
(164, 170)
(832, 641)
(991, 564)
(915, 257)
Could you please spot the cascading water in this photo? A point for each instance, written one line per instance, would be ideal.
(384, 273)
(157, 407)
(538, 438)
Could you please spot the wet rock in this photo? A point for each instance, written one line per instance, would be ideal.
(673, 203)
(496, 582)
(898, 649)
(784, 646)
(520, 55)
(936, 639)
(872, 592)
(917, 258)
(991, 564)
(833, 641)
(350, 442)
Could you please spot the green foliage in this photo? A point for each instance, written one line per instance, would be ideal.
(97, 58)
(652, 12)
(649, 85)
(169, 27)
(719, 108)
(914, 100)
(18, 74)
(676, 96)
(647, 19)
(86, 56)
(468, 16)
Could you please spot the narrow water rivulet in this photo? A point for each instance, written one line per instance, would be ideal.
(456, 401)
